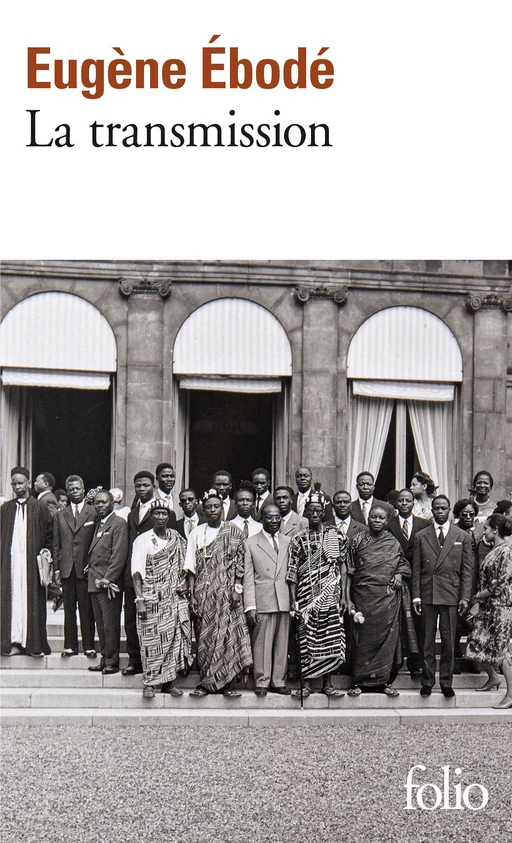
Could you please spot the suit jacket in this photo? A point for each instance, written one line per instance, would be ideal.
(265, 585)
(442, 575)
(353, 528)
(293, 525)
(394, 527)
(357, 515)
(51, 502)
(180, 525)
(71, 544)
(268, 499)
(108, 552)
(328, 514)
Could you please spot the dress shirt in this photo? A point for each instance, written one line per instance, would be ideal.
(163, 497)
(342, 523)
(190, 523)
(76, 508)
(271, 538)
(102, 523)
(301, 501)
(409, 524)
(143, 508)
(444, 527)
(366, 506)
(260, 500)
(226, 503)
(252, 525)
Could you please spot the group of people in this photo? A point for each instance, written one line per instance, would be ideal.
(290, 583)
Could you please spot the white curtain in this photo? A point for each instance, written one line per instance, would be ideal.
(368, 430)
(432, 427)
(16, 421)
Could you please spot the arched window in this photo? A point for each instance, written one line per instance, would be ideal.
(57, 356)
(404, 365)
(234, 346)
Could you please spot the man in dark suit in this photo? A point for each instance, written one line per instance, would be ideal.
(139, 521)
(44, 485)
(261, 483)
(291, 522)
(188, 503)
(304, 481)
(267, 602)
(106, 562)
(404, 527)
(365, 485)
(343, 521)
(442, 574)
(73, 529)
(165, 480)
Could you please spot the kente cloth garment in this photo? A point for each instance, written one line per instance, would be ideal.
(23, 598)
(377, 655)
(315, 565)
(164, 628)
(492, 628)
(223, 643)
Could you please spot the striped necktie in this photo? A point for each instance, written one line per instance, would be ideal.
(245, 529)
(405, 528)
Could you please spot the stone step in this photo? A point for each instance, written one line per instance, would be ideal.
(63, 676)
(107, 697)
(250, 717)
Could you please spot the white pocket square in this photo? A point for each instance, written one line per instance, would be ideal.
(91, 524)
(457, 543)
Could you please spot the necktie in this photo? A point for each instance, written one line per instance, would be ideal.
(258, 505)
(76, 514)
(190, 526)
(405, 528)
(245, 529)
(276, 547)
(21, 509)
(364, 509)
(344, 527)
(441, 536)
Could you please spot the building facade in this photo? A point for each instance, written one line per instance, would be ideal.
(391, 366)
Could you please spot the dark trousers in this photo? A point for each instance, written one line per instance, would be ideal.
(447, 628)
(74, 591)
(107, 613)
(130, 628)
(415, 660)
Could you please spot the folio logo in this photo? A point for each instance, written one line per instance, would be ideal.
(429, 796)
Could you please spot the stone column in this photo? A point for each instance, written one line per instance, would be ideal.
(489, 403)
(144, 384)
(319, 393)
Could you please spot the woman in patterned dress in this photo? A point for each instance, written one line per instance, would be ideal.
(163, 619)
(317, 573)
(492, 609)
(215, 564)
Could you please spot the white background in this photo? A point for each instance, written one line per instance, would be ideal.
(420, 117)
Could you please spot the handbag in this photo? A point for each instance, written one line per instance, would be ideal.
(45, 567)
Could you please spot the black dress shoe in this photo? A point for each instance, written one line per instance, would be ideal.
(260, 692)
(448, 692)
(108, 670)
(425, 691)
(281, 690)
(131, 670)
(96, 668)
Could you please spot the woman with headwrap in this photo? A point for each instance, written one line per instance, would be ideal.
(215, 562)
(317, 573)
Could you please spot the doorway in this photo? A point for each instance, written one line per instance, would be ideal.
(399, 460)
(71, 434)
(229, 430)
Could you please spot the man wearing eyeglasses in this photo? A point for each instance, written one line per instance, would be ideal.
(188, 502)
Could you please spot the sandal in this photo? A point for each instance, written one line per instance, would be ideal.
(168, 688)
(148, 692)
(354, 692)
(390, 692)
(230, 692)
(329, 691)
(199, 692)
(305, 693)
